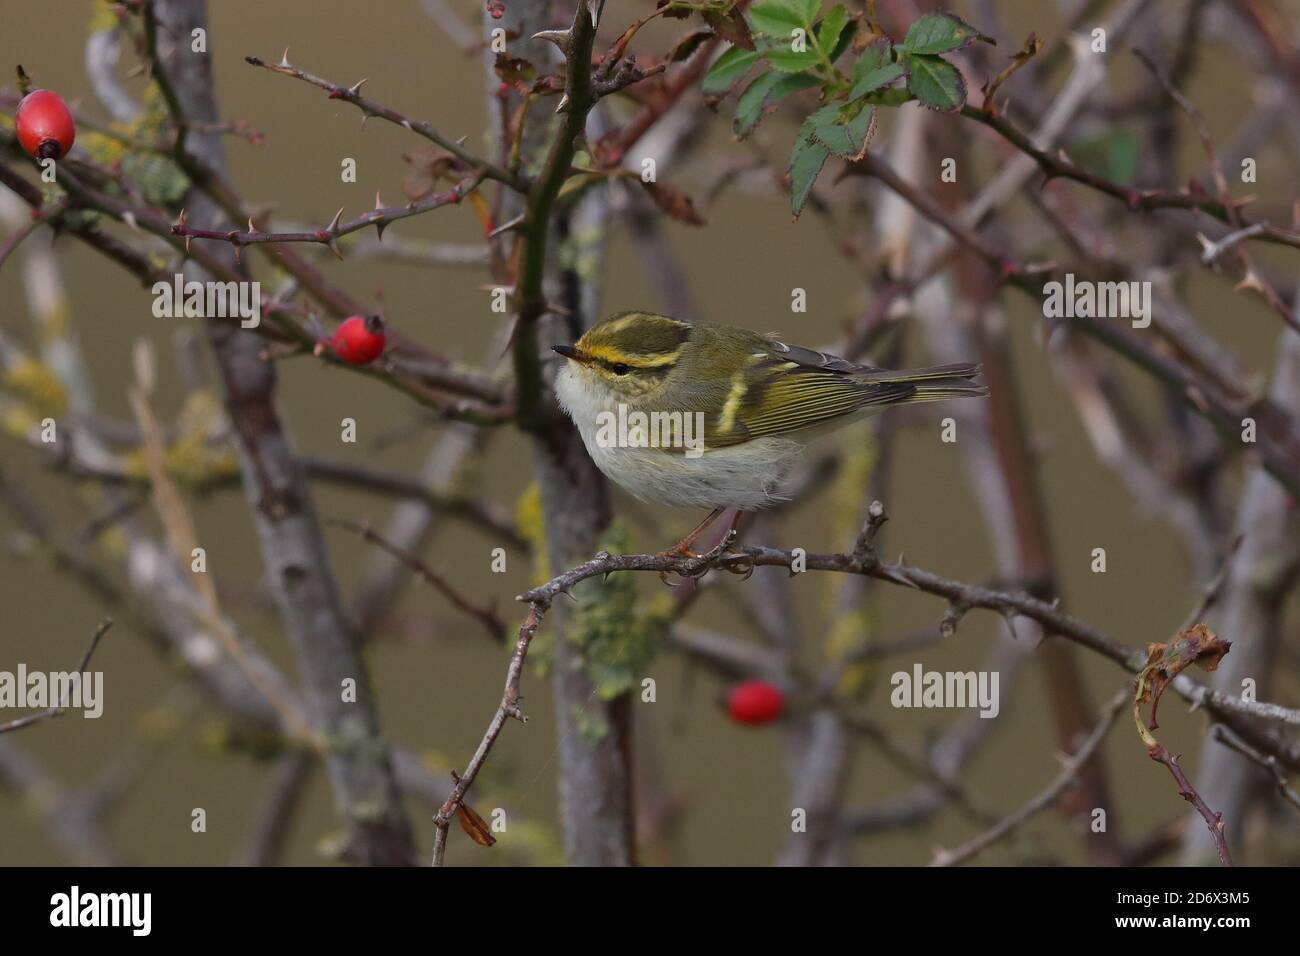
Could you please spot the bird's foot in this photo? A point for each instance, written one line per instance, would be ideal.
(703, 562)
(682, 549)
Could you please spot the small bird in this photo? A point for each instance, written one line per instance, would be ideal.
(699, 415)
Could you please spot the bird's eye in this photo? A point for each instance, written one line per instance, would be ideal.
(618, 368)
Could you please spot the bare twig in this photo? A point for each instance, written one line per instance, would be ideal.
(39, 218)
(1213, 821)
(1226, 737)
(487, 616)
(1069, 774)
(352, 94)
(726, 557)
(379, 218)
(508, 708)
(61, 708)
(1059, 165)
(1253, 278)
(1054, 620)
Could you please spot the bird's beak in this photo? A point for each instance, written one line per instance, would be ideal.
(569, 352)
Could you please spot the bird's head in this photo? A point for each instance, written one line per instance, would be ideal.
(630, 354)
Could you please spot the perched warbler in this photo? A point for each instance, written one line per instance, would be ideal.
(701, 415)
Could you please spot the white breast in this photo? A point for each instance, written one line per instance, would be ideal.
(746, 476)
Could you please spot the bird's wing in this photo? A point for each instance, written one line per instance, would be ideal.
(785, 388)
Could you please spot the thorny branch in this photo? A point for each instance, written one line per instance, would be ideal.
(352, 94)
(579, 97)
(1060, 166)
(379, 217)
(417, 380)
(862, 561)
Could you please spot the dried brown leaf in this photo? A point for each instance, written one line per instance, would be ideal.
(1027, 53)
(474, 825)
(1196, 645)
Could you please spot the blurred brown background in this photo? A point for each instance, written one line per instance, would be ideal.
(437, 676)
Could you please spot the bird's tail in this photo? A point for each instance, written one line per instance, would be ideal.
(936, 384)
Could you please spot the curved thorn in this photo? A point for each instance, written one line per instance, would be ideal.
(505, 227)
(558, 37)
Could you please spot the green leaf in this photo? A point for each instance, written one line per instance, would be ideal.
(827, 114)
(892, 98)
(806, 162)
(791, 83)
(766, 89)
(846, 134)
(776, 18)
(788, 61)
(874, 71)
(749, 110)
(727, 69)
(776, 22)
(935, 82)
(874, 56)
(830, 30)
(807, 9)
(940, 33)
(846, 41)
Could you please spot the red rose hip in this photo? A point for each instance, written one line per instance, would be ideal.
(359, 340)
(44, 123)
(755, 702)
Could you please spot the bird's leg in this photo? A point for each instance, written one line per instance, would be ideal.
(682, 549)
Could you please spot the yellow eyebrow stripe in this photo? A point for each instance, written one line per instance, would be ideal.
(636, 359)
